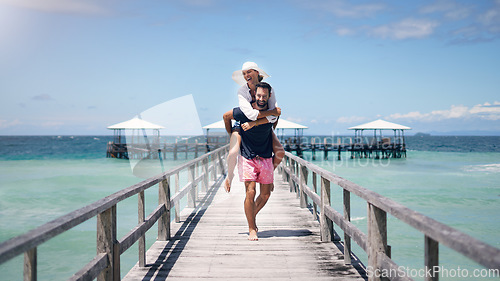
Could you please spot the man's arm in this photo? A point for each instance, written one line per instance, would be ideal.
(262, 120)
(249, 125)
(271, 112)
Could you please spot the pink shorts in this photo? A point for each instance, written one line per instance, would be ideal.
(258, 169)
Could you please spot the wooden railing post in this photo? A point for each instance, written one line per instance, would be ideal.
(315, 187)
(377, 238)
(196, 149)
(106, 239)
(216, 164)
(142, 239)
(30, 264)
(192, 193)
(220, 158)
(197, 170)
(164, 221)
(283, 168)
(347, 217)
(431, 258)
(177, 210)
(214, 167)
(303, 183)
(204, 187)
(326, 224)
(296, 172)
(175, 150)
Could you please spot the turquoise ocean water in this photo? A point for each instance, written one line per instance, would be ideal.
(455, 180)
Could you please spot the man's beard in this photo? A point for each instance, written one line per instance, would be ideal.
(261, 107)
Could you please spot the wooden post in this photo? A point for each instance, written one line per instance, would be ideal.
(377, 237)
(347, 217)
(296, 172)
(106, 238)
(282, 167)
(326, 224)
(217, 165)
(196, 149)
(214, 167)
(192, 192)
(221, 163)
(196, 170)
(142, 239)
(303, 184)
(431, 258)
(175, 150)
(164, 220)
(313, 148)
(177, 210)
(325, 147)
(30, 262)
(292, 172)
(205, 175)
(339, 149)
(315, 187)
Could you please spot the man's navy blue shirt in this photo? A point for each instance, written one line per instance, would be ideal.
(257, 141)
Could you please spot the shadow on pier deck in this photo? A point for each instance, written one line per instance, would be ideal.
(210, 241)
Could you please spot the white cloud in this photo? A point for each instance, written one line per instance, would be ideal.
(59, 6)
(344, 9)
(294, 119)
(484, 111)
(344, 31)
(487, 111)
(451, 10)
(491, 18)
(456, 22)
(7, 124)
(405, 29)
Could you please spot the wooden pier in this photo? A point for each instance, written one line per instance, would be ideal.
(210, 242)
(355, 148)
(208, 239)
(117, 149)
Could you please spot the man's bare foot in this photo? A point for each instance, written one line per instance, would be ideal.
(252, 235)
(227, 185)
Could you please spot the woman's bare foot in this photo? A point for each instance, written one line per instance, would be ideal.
(252, 235)
(227, 185)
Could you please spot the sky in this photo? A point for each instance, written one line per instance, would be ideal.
(75, 67)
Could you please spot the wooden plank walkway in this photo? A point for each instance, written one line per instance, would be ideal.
(211, 242)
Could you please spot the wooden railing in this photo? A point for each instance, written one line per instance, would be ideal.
(296, 171)
(106, 264)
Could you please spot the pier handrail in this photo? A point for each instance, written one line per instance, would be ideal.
(295, 170)
(106, 264)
